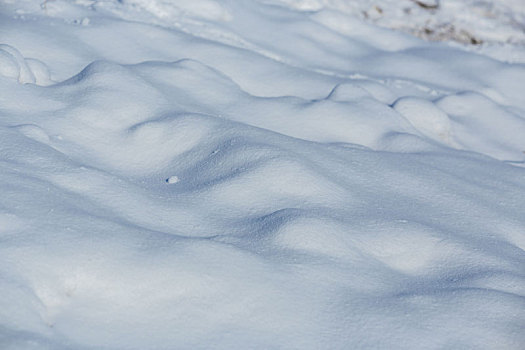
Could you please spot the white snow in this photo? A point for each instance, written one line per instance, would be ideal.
(173, 179)
(261, 174)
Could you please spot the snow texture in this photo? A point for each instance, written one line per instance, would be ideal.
(261, 174)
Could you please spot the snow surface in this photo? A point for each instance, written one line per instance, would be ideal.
(495, 27)
(257, 174)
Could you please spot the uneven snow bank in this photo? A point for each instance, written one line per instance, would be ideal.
(317, 183)
(496, 28)
(466, 21)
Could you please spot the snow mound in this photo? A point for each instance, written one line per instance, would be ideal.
(25, 70)
(426, 117)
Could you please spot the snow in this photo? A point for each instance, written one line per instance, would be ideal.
(172, 179)
(260, 174)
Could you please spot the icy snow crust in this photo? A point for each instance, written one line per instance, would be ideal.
(228, 175)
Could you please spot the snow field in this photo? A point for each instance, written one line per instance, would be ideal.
(243, 175)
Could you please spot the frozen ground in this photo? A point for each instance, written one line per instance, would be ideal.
(259, 175)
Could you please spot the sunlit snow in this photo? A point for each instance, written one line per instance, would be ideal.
(264, 174)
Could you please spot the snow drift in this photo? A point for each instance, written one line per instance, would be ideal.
(205, 174)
